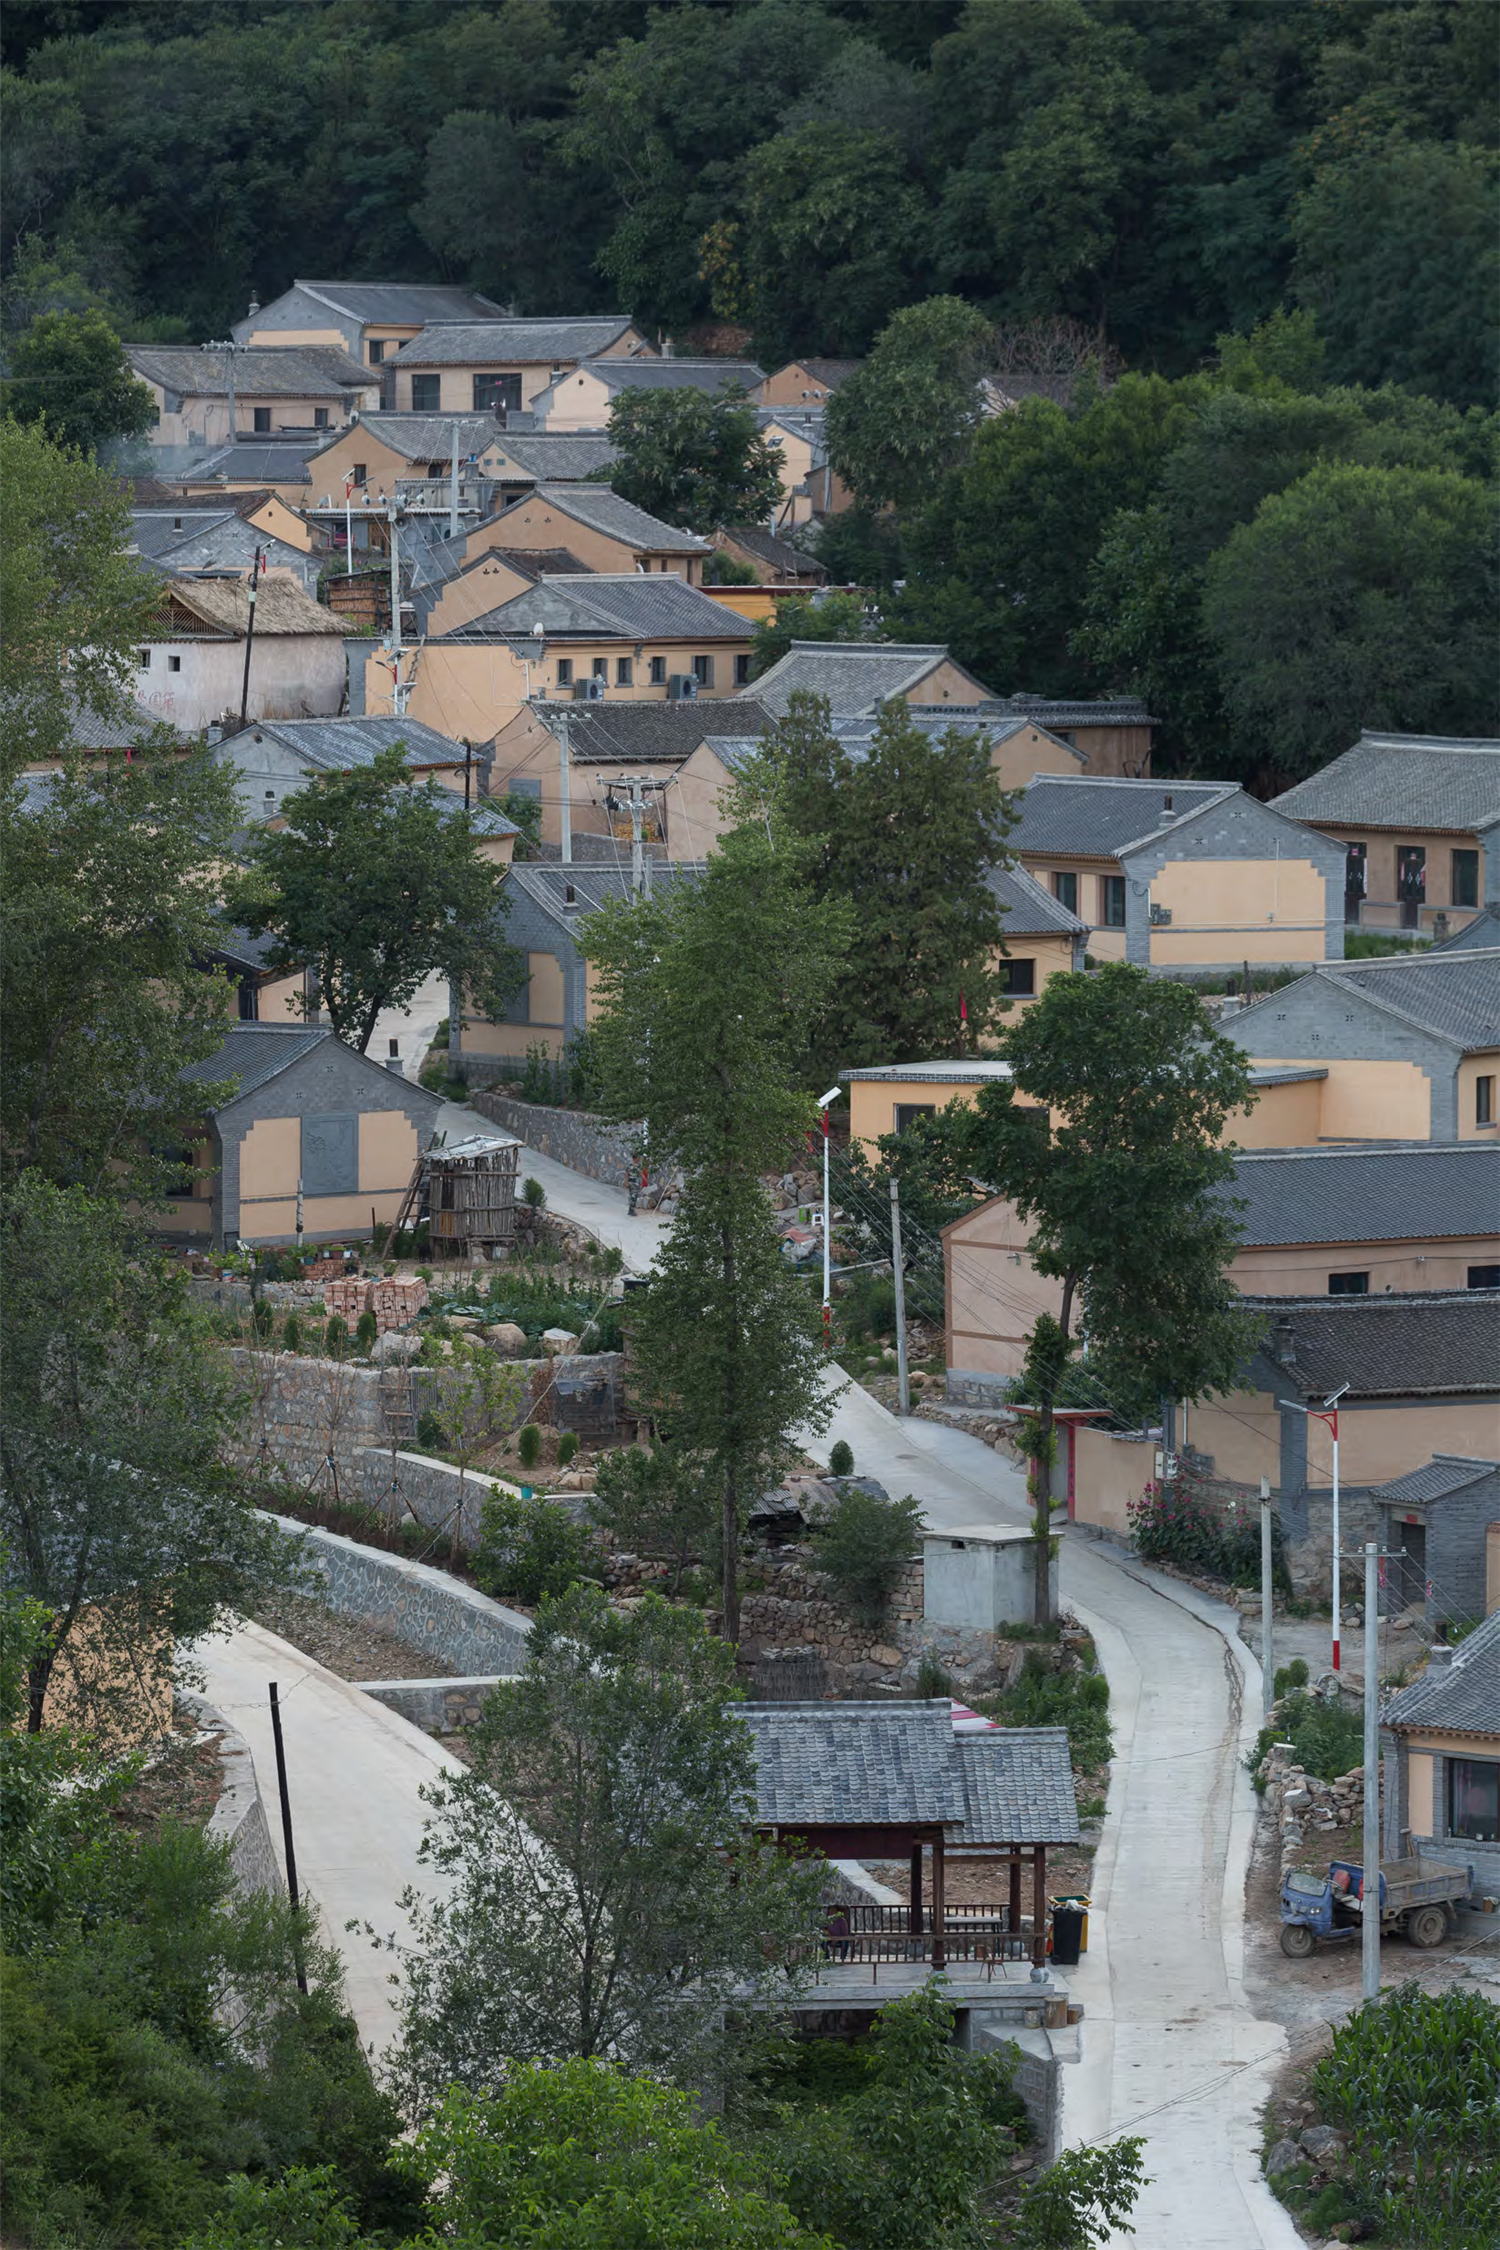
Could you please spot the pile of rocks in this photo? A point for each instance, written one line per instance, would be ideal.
(1302, 1804)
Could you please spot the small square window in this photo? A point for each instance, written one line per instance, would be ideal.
(904, 1112)
(1466, 878)
(565, 671)
(1112, 902)
(1474, 1799)
(601, 667)
(1484, 1277)
(624, 671)
(1020, 979)
(703, 670)
(320, 417)
(143, 659)
(426, 391)
(742, 671)
(1484, 1100)
(376, 350)
(1065, 890)
(262, 416)
(658, 671)
(174, 663)
(1348, 1285)
(359, 472)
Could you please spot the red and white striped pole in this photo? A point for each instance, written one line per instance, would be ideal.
(831, 1096)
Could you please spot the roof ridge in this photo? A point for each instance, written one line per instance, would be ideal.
(1369, 1149)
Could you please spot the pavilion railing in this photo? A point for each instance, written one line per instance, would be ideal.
(976, 1933)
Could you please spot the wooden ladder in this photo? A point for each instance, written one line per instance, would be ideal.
(408, 1201)
(398, 1403)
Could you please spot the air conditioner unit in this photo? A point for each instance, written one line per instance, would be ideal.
(588, 691)
(681, 688)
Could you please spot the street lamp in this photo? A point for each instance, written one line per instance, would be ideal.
(1328, 1413)
(832, 1095)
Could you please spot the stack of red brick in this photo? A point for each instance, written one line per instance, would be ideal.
(393, 1303)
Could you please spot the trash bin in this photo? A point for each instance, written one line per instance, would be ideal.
(1067, 1936)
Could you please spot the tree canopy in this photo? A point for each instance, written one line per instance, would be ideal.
(693, 458)
(69, 373)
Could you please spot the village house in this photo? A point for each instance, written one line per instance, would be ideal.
(583, 397)
(98, 733)
(1443, 1522)
(450, 589)
(549, 900)
(1405, 1048)
(1442, 1771)
(1480, 934)
(1335, 1222)
(160, 523)
(806, 382)
(605, 532)
(500, 367)
(1417, 817)
(370, 320)
(1184, 877)
(275, 758)
(312, 1123)
(523, 459)
(657, 742)
(627, 637)
(278, 466)
(384, 456)
(190, 672)
(262, 994)
(1113, 736)
(227, 543)
(775, 562)
(856, 677)
(205, 397)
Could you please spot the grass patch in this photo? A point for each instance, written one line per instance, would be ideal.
(1327, 1739)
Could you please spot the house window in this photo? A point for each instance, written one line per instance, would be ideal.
(658, 671)
(565, 671)
(359, 472)
(1466, 878)
(1484, 1101)
(1356, 873)
(1065, 890)
(497, 394)
(904, 1112)
(426, 394)
(1474, 1799)
(174, 663)
(1348, 1285)
(262, 415)
(1112, 901)
(601, 667)
(249, 999)
(143, 659)
(320, 417)
(1020, 979)
(703, 670)
(742, 671)
(376, 349)
(624, 671)
(1411, 883)
(1484, 1277)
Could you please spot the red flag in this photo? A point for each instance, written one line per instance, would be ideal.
(963, 1009)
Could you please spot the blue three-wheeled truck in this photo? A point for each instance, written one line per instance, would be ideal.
(1417, 1899)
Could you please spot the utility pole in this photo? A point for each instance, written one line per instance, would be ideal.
(1267, 1631)
(398, 690)
(1370, 1931)
(903, 1388)
(286, 1831)
(640, 865)
(565, 783)
(250, 638)
(453, 486)
(824, 1101)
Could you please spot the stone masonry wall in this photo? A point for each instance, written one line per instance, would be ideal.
(569, 1136)
(431, 1611)
(436, 1706)
(239, 1818)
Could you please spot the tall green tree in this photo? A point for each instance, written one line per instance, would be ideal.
(797, 617)
(693, 458)
(908, 833)
(373, 884)
(702, 994)
(832, 238)
(605, 1893)
(1122, 1190)
(69, 373)
(117, 1512)
(910, 412)
(1359, 597)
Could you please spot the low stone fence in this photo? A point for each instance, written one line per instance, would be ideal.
(239, 1818)
(436, 1706)
(1300, 1803)
(434, 1613)
(574, 1137)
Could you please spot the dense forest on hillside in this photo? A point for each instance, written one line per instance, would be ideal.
(1164, 170)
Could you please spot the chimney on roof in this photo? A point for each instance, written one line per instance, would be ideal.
(668, 349)
(1285, 1342)
(254, 306)
(1439, 1659)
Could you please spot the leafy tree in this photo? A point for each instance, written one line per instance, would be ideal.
(69, 373)
(702, 991)
(693, 459)
(660, 1502)
(411, 895)
(800, 617)
(1359, 597)
(864, 1547)
(1122, 1192)
(908, 833)
(530, 1550)
(604, 1892)
(119, 1516)
(834, 229)
(911, 410)
(1396, 255)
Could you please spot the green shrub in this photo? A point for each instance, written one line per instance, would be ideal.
(264, 1317)
(530, 1550)
(366, 1331)
(432, 1437)
(1327, 1738)
(1170, 1524)
(291, 1333)
(932, 1680)
(424, 1273)
(864, 1547)
(867, 1307)
(1047, 1696)
(336, 1336)
(1289, 1676)
(529, 1446)
(533, 1194)
(841, 1459)
(567, 1446)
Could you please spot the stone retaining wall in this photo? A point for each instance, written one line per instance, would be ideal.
(434, 1492)
(436, 1706)
(239, 1818)
(434, 1613)
(574, 1137)
(1300, 1803)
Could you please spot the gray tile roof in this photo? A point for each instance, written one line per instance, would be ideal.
(1377, 1193)
(296, 371)
(244, 949)
(829, 372)
(512, 343)
(115, 729)
(1031, 911)
(1461, 1696)
(901, 1764)
(676, 374)
(156, 529)
(780, 554)
(229, 542)
(428, 437)
(1068, 817)
(548, 882)
(342, 745)
(932, 1073)
(1435, 1480)
(1442, 1344)
(612, 733)
(1018, 1786)
(270, 460)
(628, 606)
(1285, 1074)
(1455, 995)
(253, 1054)
(400, 304)
(1115, 711)
(601, 508)
(558, 456)
(1478, 936)
(854, 676)
(1411, 781)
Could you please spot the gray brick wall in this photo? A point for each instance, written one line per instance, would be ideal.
(1241, 828)
(1455, 1545)
(1319, 1022)
(570, 1136)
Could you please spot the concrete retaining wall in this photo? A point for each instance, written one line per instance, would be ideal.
(436, 1706)
(574, 1137)
(434, 1613)
(239, 1818)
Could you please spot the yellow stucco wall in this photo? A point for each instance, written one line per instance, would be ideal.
(993, 1292)
(1302, 1270)
(1241, 1434)
(1288, 1116)
(873, 1103)
(475, 689)
(581, 402)
(536, 523)
(387, 1150)
(1363, 1101)
(483, 588)
(1108, 1473)
(330, 1215)
(1239, 909)
(547, 988)
(271, 1157)
(1470, 1071)
(482, 1038)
